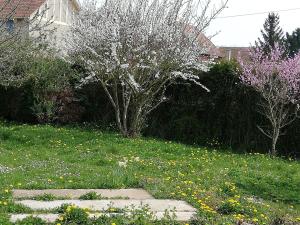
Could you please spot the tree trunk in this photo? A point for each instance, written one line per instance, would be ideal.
(135, 122)
(274, 141)
(129, 128)
(119, 123)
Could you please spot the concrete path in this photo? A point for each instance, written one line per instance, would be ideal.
(135, 198)
(51, 218)
(155, 205)
(76, 193)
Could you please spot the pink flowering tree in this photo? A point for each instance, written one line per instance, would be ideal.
(134, 49)
(277, 79)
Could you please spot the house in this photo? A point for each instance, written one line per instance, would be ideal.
(232, 53)
(212, 52)
(59, 12)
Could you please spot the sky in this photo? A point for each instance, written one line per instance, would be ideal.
(243, 31)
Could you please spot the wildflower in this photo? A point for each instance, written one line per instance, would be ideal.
(255, 220)
(6, 190)
(137, 159)
(113, 224)
(61, 218)
(70, 207)
(58, 224)
(122, 164)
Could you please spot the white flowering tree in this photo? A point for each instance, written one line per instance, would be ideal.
(135, 48)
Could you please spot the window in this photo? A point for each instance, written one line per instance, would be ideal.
(10, 25)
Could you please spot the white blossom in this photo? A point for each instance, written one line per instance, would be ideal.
(141, 46)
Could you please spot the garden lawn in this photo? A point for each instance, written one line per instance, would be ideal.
(223, 186)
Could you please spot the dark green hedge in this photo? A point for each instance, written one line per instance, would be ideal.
(225, 116)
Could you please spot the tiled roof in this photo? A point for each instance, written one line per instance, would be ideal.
(203, 40)
(19, 8)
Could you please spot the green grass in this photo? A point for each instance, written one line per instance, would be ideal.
(223, 186)
(91, 196)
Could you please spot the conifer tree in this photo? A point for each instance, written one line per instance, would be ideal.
(293, 42)
(271, 34)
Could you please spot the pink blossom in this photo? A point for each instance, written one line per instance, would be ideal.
(261, 68)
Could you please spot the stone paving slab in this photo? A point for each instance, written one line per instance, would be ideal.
(155, 205)
(51, 218)
(76, 193)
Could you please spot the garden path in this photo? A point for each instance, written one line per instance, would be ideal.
(118, 199)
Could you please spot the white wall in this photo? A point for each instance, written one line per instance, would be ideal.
(61, 13)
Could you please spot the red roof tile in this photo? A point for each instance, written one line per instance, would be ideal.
(203, 40)
(19, 8)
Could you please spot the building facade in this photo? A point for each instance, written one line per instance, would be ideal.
(58, 13)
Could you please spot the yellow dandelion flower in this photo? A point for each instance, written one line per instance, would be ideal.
(61, 218)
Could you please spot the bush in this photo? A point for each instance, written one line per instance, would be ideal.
(46, 97)
(51, 87)
(226, 116)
